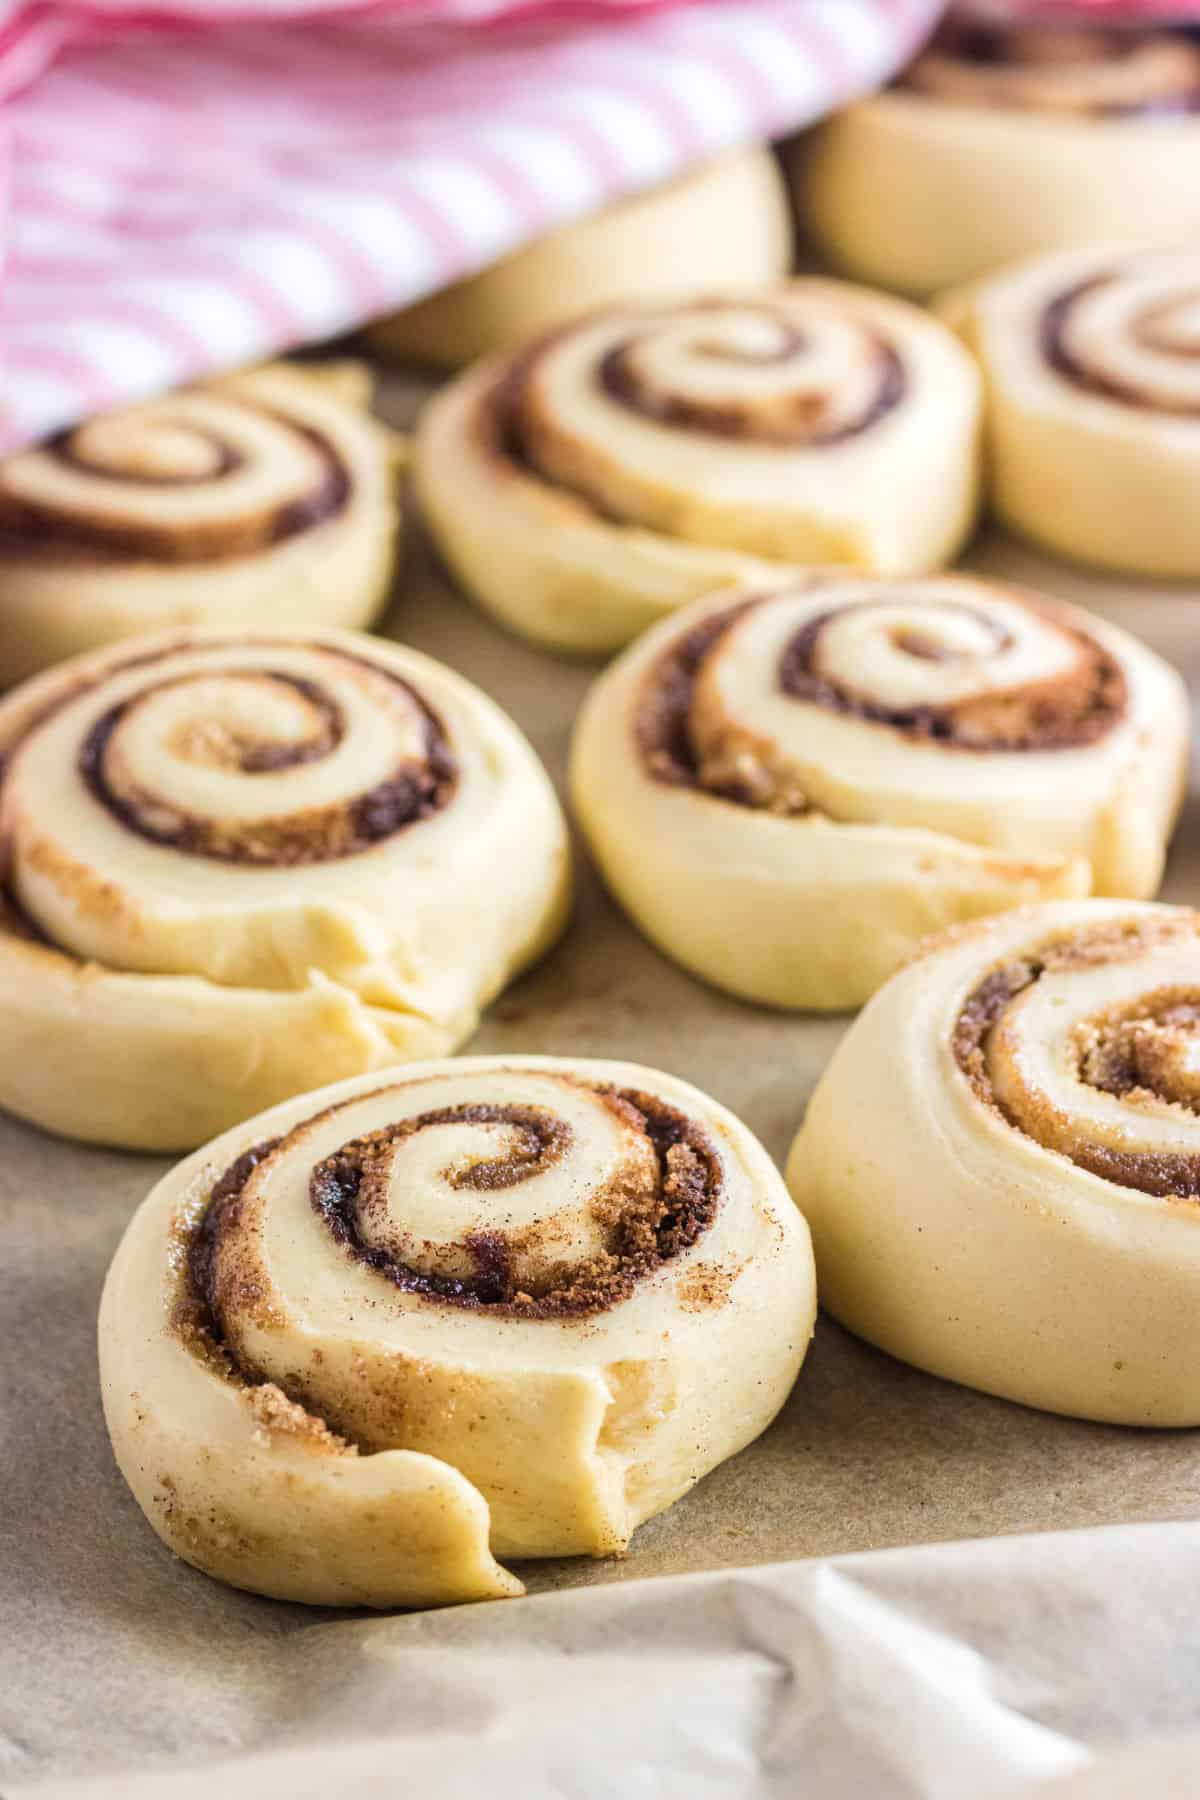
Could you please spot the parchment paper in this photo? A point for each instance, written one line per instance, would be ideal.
(949, 1671)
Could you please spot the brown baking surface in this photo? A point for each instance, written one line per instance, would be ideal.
(116, 1653)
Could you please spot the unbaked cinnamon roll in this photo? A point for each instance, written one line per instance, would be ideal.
(1003, 141)
(265, 498)
(367, 1343)
(236, 865)
(789, 790)
(1092, 365)
(635, 460)
(1001, 1165)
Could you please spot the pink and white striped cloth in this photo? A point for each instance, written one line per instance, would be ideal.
(182, 200)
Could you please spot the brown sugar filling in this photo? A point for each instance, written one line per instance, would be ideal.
(1134, 1051)
(803, 419)
(219, 1285)
(799, 420)
(1060, 714)
(646, 1224)
(1131, 1051)
(414, 791)
(28, 525)
(1063, 713)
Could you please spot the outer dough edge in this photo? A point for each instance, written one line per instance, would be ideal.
(538, 562)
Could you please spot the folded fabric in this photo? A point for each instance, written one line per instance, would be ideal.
(190, 199)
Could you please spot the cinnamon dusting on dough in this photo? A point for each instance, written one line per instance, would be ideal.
(706, 1286)
(208, 1532)
(1122, 940)
(92, 894)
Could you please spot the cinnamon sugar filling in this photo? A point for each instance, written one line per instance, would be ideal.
(1067, 712)
(790, 419)
(646, 1222)
(1138, 1051)
(414, 791)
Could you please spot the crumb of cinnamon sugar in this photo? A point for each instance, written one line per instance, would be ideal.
(275, 1415)
(706, 1285)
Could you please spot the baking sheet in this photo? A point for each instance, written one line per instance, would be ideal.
(115, 1656)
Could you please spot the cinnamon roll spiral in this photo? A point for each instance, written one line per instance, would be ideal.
(1003, 141)
(236, 864)
(267, 498)
(789, 790)
(375, 1338)
(1092, 361)
(1001, 1165)
(635, 460)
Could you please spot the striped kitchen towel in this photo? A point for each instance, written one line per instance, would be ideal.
(186, 196)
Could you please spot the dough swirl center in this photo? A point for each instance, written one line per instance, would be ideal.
(263, 765)
(758, 376)
(195, 477)
(557, 1207)
(1132, 334)
(733, 705)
